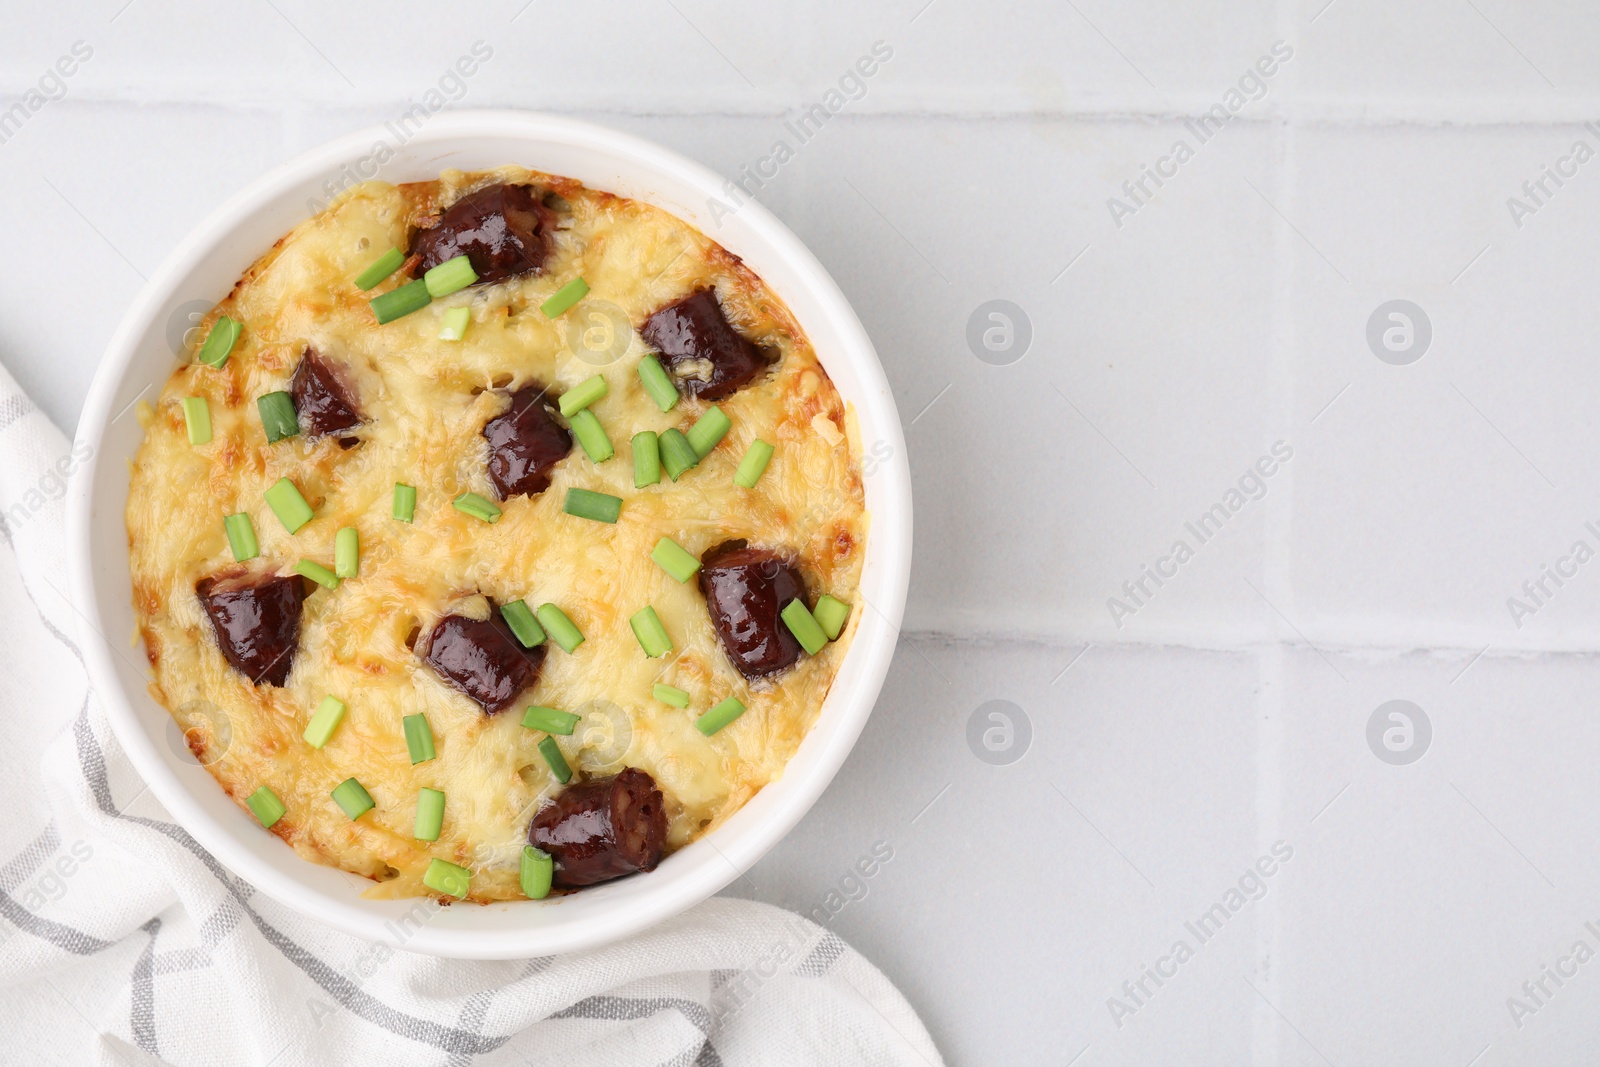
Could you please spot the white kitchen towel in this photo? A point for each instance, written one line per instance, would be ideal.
(123, 942)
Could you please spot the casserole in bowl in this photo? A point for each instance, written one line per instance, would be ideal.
(201, 272)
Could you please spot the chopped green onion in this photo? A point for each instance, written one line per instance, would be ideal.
(454, 326)
(558, 763)
(445, 877)
(520, 618)
(831, 614)
(582, 395)
(197, 419)
(646, 459)
(430, 814)
(449, 276)
(658, 383)
(347, 552)
(550, 720)
(707, 430)
(674, 559)
(317, 573)
(265, 806)
(558, 626)
(719, 716)
(651, 634)
(379, 269)
(601, 507)
(219, 342)
(670, 694)
(804, 627)
(537, 870)
(396, 303)
(241, 537)
(565, 297)
(753, 465)
(476, 506)
(350, 796)
(329, 714)
(287, 503)
(677, 454)
(591, 435)
(277, 416)
(419, 738)
(405, 502)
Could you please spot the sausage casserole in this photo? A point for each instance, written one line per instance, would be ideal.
(501, 535)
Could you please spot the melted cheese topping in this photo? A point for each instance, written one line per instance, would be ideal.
(425, 402)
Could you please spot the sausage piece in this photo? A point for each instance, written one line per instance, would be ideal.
(483, 659)
(525, 444)
(603, 829)
(257, 622)
(322, 399)
(503, 230)
(708, 357)
(746, 589)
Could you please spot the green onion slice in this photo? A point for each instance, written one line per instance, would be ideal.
(287, 503)
(677, 454)
(804, 627)
(558, 763)
(476, 506)
(591, 435)
(601, 507)
(658, 383)
(430, 814)
(219, 342)
(582, 395)
(405, 502)
(445, 877)
(419, 738)
(197, 419)
(558, 626)
(351, 797)
(520, 618)
(397, 303)
(449, 276)
(719, 716)
(674, 559)
(670, 694)
(831, 614)
(646, 459)
(550, 720)
(564, 297)
(347, 552)
(454, 325)
(277, 416)
(328, 716)
(707, 430)
(651, 634)
(537, 870)
(241, 537)
(310, 568)
(379, 269)
(265, 806)
(753, 465)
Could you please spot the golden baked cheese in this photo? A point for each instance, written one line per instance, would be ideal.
(423, 403)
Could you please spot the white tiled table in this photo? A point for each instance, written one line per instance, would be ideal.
(1230, 710)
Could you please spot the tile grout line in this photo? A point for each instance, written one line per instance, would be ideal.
(1344, 112)
(1277, 576)
(1272, 668)
(1256, 639)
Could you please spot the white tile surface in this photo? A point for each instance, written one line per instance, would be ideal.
(1431, 892)
(1168, 354)
(1027, 893)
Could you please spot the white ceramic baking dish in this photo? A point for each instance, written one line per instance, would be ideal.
(203, 269)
